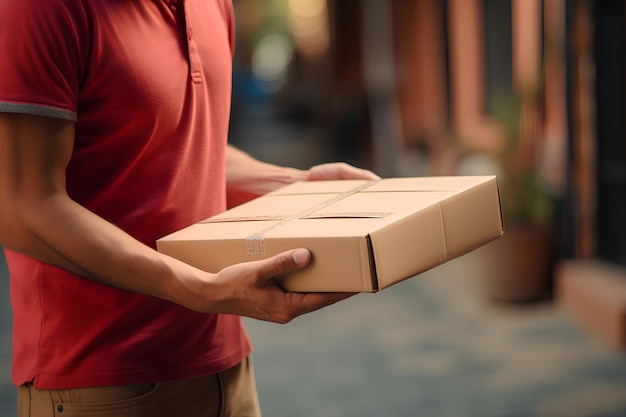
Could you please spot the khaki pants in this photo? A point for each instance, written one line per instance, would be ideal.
(231, 393)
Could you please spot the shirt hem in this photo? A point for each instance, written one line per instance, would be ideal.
(41, 381)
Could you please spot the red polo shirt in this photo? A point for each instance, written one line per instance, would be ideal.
(148, 84)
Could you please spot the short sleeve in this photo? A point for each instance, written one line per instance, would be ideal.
(44, 50)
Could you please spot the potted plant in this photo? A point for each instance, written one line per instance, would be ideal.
(518, 266)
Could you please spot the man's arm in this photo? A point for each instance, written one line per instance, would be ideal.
(38, 218)
(248, 178)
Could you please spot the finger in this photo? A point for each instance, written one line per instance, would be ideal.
(308, 302)
(339, 171)
(357, 173)
(349, 172)
(285, 262)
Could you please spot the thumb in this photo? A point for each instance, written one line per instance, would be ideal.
(285, 262)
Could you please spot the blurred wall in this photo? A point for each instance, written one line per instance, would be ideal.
(447, 87)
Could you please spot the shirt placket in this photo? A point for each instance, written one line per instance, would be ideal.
(195, 64)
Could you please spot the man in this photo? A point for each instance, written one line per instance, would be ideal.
(113, 127)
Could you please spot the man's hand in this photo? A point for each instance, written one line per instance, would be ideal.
(248, 178)
(248, 289)
(338, 171)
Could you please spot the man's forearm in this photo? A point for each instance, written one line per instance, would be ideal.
(61, 232)
(248, 178)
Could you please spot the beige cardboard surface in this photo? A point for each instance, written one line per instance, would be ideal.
(363, 235)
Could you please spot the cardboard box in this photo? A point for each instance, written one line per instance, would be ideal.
(364, 235)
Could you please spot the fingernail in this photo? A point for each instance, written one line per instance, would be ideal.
(300, 257)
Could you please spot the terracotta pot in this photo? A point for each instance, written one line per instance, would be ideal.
(517, 266)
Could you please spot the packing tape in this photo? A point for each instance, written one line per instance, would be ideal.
(255, 243)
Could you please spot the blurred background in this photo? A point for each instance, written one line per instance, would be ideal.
(533, 91)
